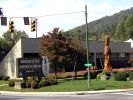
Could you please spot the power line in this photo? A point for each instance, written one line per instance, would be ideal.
(47, 15)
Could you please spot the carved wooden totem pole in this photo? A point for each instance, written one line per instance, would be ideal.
(107, 53)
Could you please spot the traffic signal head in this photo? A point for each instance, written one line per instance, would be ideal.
(11, 27)
(33, 25)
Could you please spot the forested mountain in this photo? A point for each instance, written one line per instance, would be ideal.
(119, 26)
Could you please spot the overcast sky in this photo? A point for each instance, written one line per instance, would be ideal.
(17, 9)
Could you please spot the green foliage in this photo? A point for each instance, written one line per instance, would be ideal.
(120, 76)
(99, 75)
(7, 41)
(16, 36)
(44, 83)
(30, 79)
(120, 33)
(11, 83)
(34, 84)
(131, 75)
(1, 77)
(93, 75)
(106, 73)
(23, 85)
(52, 81)
(119, 26)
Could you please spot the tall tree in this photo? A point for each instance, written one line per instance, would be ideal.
(6, 42)
(129, 26)
(120, 33)
(61, 52)
(15, 36)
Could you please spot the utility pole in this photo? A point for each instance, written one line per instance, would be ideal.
(87, 46)
(36, 20)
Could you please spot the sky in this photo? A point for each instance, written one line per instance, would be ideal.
(65, 14)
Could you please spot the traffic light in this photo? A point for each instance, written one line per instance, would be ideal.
(11, 27)
(33, 25)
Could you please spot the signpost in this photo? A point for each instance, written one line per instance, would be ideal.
(88, 65)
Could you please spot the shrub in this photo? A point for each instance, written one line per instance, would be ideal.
(1, 77)
(93, 75)
(23, 85)
(53, 82)
(30, 79)
(44, 82)
(115, 72)
(120, 76)
(99, 75)
(131, 75)
(34, 84)
(106, 73)
(11, 83)
(6, 78)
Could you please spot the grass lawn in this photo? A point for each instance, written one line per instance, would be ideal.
(76, 85)
(3, 82)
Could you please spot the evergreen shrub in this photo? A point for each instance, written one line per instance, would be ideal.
(120, 76)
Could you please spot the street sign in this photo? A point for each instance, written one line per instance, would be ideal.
(88, 65)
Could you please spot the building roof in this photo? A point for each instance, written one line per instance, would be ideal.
(31, 45)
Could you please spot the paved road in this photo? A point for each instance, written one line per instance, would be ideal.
(104, 96)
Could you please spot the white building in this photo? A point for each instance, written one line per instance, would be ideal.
(23, 48)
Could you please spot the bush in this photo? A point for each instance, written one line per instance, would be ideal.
(23, 85)
(30, 79)
(6, 78)
(99, 75)
(1, 77)
(11, 83)
(106, 73)
(34, 84)
(44, 82)
(93, 75)
(120, 76)
(115, 72)
(53, 81)
(131, 75)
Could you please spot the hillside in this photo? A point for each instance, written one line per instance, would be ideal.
(105, 25)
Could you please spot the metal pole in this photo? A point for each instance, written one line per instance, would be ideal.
(36, 26)
(87, 45)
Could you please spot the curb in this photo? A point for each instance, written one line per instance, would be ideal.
(62, 93)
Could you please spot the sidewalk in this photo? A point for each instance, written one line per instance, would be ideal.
(63, 93)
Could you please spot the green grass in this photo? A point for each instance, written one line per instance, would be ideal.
(76, 85)
(3, 82)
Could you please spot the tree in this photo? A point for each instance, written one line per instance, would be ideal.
(14, 37)
(62, 52)
(6, 42)
(129, 26)
(120, 33)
